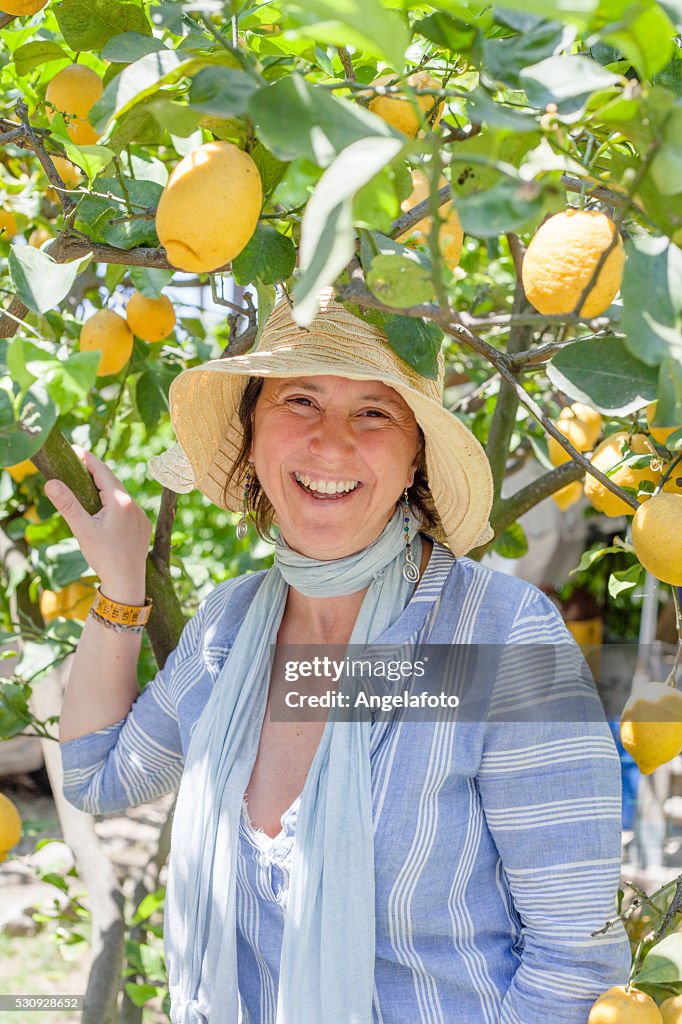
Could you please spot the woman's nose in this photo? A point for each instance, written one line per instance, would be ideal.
(332, 437)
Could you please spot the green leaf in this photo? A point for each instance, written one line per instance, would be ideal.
(130, 46)
(150, 399)
(674, 441)
(223, 92)
(663, 962)
(589, 558)
(149, 905)
(67, 381)
(602, 372)
(97, 213)
(483, 109)
(447, 33)
(297, 119)
(178, 119)
(327, 233)
(505, 59)
(625, 580)
(669, 405)
(267, 297)
(416, 341)
(567, 81)
(63, 563)
(652, 298)
(401, 280)
(363, 24)
(91, 159)
(39, 281)
(149, 281)
(512, 543)
(40, 51)
(506, 206)
(140, 994)
(268, 256)
(271, 169)
(644, 33)
(144, 77)
(89, 24)
(14, 712)
(23, 434)
(666, 166)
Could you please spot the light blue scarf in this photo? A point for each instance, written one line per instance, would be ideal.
(328, 945)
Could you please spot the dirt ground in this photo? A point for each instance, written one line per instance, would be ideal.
(33, 963)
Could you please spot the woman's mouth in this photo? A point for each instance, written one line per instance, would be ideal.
(342, 489)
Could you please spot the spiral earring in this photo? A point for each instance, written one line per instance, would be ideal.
(243, 524)
(410, 570)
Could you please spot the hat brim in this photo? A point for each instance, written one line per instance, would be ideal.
(205, 400)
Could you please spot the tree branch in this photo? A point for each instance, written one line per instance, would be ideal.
(449, 320)
(57, 460)
(34, 141)
(509, 509)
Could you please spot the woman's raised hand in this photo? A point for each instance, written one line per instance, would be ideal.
(115, 540)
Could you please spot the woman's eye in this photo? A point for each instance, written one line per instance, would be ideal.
(374, 412)
(300, 399)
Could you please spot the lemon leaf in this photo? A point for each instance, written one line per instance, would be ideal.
(663, 962)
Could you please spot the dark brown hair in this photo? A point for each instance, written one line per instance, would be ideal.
(258, 504)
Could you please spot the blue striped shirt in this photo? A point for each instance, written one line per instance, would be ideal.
(497, 842)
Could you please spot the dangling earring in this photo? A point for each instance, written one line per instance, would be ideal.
(410, 570)
(243, 524)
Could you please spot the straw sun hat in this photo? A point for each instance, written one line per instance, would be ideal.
(204, 406)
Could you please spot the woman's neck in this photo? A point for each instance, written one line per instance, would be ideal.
(328, 619)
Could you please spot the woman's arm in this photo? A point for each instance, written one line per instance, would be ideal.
(550, 786)
(139, 757)
(103, 675)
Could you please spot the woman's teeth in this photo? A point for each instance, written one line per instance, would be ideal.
(325, 486)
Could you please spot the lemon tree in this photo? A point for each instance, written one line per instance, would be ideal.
(500, 183)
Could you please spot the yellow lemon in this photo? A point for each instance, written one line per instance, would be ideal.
(21, 7)
(38, 237)
(656, 533)
(561, 258)
(10, 825)
(590, 420)
(397, 109)
(71, 602)
(450, 233)
(50, 604)
(608, 454)
(616, 1006)
(581, 425)
(8, 225)
(660, 434)
(651, 725)
(109, 333)
(150, 319)
(568, 495)
(73, 91)
(68, 172)
(20, 470)
(210, 207)
(671, 1010)
(673, 484)
(76, 600)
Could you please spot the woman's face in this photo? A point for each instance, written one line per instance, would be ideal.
(331, 430)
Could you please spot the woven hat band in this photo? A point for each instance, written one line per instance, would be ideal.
(335, 335)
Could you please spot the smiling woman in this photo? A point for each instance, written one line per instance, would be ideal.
(373, 867)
